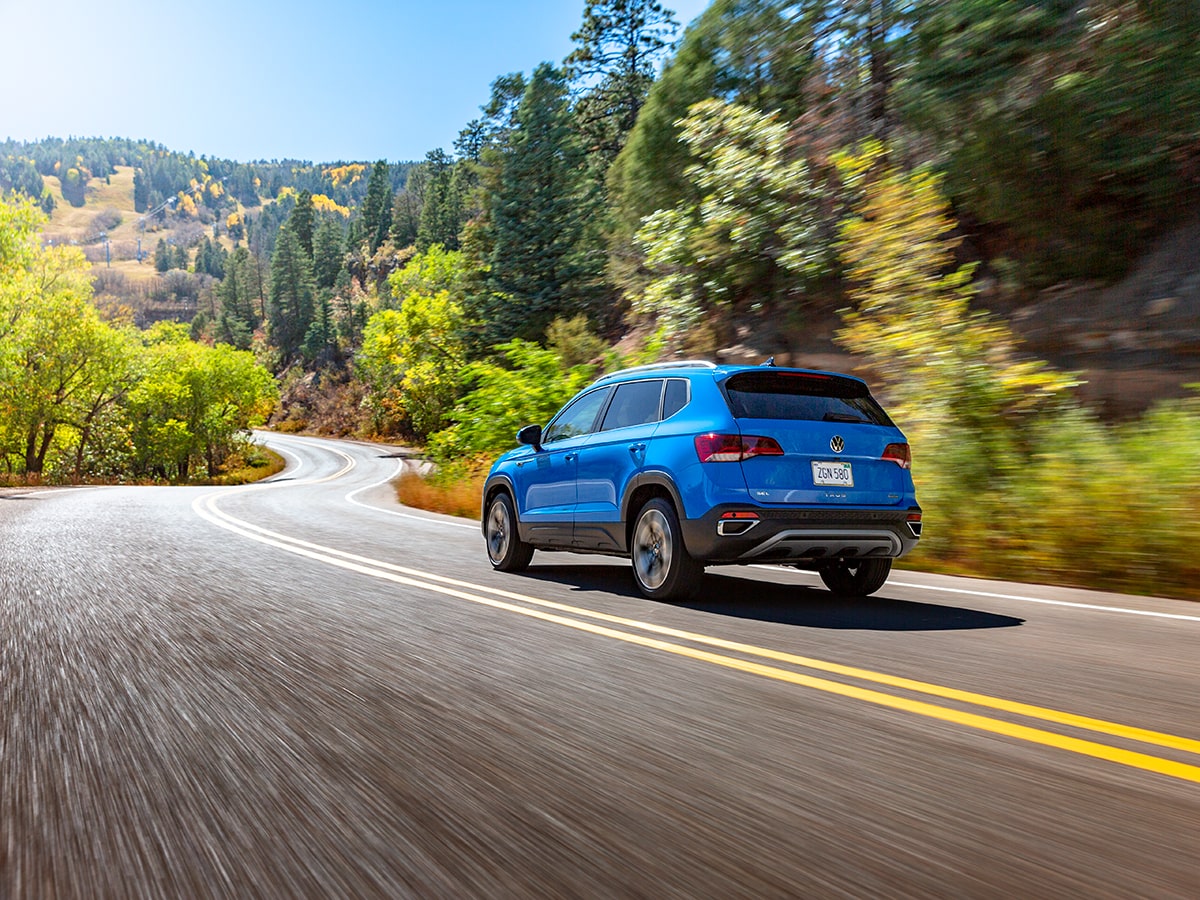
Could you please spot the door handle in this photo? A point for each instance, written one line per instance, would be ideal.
(639, 447)
(570, 457)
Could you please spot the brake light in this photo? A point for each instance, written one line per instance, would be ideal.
(735, 447)
(899, 454)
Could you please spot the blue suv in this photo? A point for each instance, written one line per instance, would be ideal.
(684, 465)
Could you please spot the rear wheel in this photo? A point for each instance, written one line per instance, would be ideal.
(505, 548)
(856, 577)
(662, 567)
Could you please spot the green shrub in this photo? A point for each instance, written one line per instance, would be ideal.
(530, 389)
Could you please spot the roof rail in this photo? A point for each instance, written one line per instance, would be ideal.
(659, 366)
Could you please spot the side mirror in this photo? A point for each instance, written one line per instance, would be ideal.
(531, 435)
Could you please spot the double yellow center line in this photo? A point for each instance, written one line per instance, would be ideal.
(762, 661)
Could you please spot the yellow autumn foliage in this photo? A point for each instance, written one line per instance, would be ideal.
(321, 203)
(912, 316)
(348, 174)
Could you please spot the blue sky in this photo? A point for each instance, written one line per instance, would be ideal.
(266, 79)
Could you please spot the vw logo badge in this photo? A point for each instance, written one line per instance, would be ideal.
(836, 444)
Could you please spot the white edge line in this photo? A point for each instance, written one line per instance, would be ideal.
(474, 526)
(994, 596)
(287, 453)
(1095, 606)
(50, 490)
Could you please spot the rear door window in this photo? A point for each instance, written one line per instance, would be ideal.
(635, 403)
(800, 396)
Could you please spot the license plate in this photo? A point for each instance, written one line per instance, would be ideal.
(833, 474)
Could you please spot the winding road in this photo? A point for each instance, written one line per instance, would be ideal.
(302, 689)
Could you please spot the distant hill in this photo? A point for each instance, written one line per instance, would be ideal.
(110, 231)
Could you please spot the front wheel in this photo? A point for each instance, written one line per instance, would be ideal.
(505, 548)
(856, 577)
(662, 567)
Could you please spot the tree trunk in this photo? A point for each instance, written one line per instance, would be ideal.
(35, 450)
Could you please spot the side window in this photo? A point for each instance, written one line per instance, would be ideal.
(676, 397)
(635, 403)
(578, 418)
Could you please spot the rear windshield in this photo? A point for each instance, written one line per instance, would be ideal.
(789, 395)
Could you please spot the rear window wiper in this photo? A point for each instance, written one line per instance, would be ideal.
(845, 417)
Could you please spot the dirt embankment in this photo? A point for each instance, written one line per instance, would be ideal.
(1136, 341)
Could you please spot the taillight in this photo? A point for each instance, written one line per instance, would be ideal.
(735, 447)
(899, 454)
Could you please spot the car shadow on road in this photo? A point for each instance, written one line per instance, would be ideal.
(787, 604)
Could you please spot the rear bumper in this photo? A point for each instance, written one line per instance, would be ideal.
(786, 535)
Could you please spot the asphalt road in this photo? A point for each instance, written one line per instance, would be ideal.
(301, 689)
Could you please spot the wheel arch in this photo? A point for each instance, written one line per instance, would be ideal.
(495, 485)
(644, 488)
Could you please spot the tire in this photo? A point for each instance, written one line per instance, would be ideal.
(505, 549)
(857, 577)
(662, 567)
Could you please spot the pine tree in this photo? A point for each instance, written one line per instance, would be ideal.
(499, 119)
(407, 206)
(141, 191)
(618, 47)
(210, 259)
(204, 256)
(377, 206)
(441, 214)
(301, 221)
(162, 256)
(290, 302)
(320, 342)
(328, 254)
(760, 53)
(544, 254)
(234, 293)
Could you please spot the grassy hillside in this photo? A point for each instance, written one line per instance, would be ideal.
(109, 210)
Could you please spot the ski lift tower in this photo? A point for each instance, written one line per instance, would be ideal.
(166, 204)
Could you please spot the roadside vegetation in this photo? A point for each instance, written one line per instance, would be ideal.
(1017, 478)
(250, 463)
(84, 400)
(724, 192)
